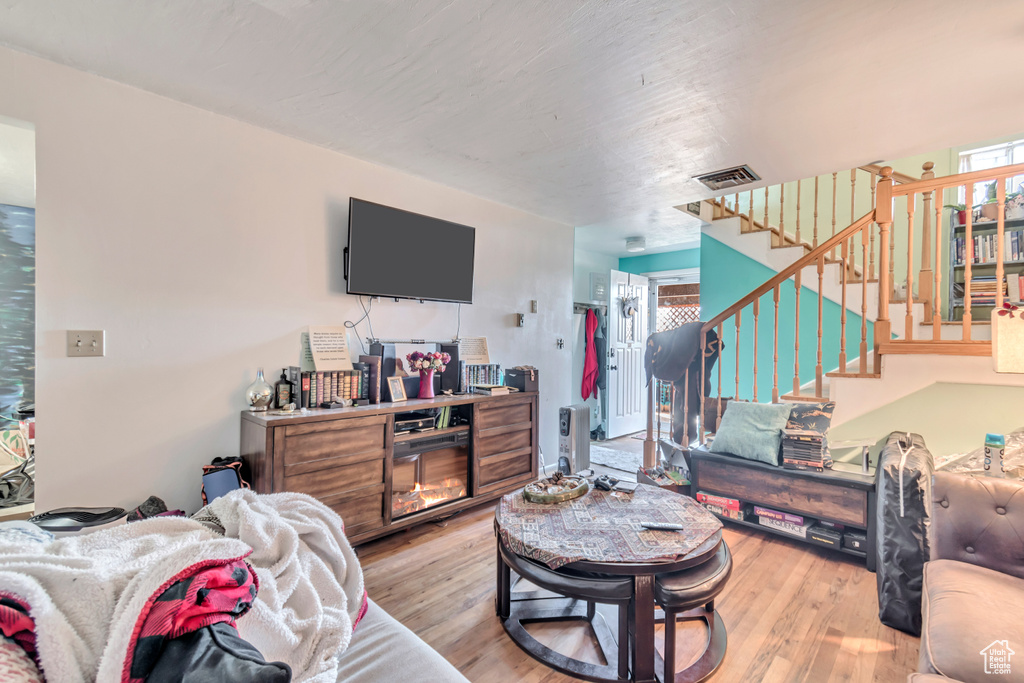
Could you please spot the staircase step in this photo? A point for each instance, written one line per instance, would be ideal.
(943, 348)
(803, 397)
(865, 375)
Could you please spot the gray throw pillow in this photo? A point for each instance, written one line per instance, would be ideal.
(752, 431)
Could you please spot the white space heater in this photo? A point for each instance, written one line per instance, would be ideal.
(574, 438)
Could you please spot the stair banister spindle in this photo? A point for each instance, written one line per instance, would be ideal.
(909, 321)
(736, 394)
(775, 362)
(852, 246)
(937, 288)
(835, 178)
(686, 409)
(1000, 238)
(924, 279)
(818, 385)
(796, 334)
(968, 262)
(766, 226)
(703, 379)
(864, 300)
(815, 212)
(750, 210)
(757, 312)
(782, 215)
(798, 240)
(736, 204)
(883, 216)
(871, 228)
(721, 347)
(842, 314)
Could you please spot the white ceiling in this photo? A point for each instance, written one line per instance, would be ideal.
(666, 229)
(17, 163)
(585, 111)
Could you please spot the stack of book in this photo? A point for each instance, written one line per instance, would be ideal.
(786, 522)
(984, 289)
(479, 374)
(361, 384)
(803, 449)
(721, 505)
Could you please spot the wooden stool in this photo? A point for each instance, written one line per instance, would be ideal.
(690, 594)
(570, 587)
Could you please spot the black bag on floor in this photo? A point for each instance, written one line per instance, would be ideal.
(903, 486)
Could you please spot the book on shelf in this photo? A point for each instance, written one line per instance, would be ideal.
(787, 517)
(720, 501)
(724, 512)
(491, 389)
(372, 377)
(798, 530)
(985, 248)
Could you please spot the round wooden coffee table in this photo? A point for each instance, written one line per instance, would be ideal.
(599, 535)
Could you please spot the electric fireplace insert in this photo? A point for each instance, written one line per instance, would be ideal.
(430, 469)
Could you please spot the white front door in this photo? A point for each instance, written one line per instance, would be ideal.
(627, 332)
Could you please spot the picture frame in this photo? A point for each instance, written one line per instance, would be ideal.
(397, 389)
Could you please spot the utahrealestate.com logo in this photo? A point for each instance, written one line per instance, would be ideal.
(997, 657)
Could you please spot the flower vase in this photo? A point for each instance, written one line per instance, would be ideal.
(426, 384)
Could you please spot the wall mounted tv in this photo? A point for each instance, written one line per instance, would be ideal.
(398, 254)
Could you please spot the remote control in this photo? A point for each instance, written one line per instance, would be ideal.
(662, 526)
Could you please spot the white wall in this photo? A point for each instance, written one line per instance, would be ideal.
(203, 246)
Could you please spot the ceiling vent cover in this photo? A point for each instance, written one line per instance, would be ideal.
(729, 177)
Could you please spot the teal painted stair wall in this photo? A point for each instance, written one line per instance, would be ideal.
(726, 275)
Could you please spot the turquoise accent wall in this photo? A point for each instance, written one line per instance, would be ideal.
(652, 263)
(726, 275)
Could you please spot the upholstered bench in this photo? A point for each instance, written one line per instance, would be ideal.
(588, 587)
(679, 592)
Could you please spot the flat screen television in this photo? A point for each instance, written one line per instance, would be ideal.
(399, 254)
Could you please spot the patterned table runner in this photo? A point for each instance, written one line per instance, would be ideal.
(604, 526)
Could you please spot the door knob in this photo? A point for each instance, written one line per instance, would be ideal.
(613, 367)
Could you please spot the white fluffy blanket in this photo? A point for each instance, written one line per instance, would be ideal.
(310, 581)
(86, 592)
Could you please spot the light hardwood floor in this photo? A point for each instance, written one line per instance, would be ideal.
(793, 613)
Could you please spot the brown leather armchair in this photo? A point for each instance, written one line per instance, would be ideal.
(973, 602)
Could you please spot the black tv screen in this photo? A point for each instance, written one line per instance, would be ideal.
(395, 253)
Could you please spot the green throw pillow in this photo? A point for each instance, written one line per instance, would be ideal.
(752, 431)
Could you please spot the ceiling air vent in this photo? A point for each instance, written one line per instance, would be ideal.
(729, 177)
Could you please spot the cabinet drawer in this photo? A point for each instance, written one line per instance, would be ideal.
(491, 416)
(361, 513)
(350, 440)
(776, 490)
(330, 482)
(503, 440)
(499, 469)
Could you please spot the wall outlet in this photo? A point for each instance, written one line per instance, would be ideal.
(86, 343)
(520, 320)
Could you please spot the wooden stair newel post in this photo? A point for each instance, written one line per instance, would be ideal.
(883, 217)
(925, 277)
(650, 448)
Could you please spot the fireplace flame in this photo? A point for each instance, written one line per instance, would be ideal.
(422, 497)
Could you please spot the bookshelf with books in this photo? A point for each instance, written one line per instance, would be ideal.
(984, 247)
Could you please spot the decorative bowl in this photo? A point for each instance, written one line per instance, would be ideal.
(549, 490)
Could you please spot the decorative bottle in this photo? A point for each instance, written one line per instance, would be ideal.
(259, 394)
(283, 390)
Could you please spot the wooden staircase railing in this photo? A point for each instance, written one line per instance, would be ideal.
(919, 220)
(928, 194)
(840, 243)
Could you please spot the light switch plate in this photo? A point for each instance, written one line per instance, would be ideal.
(533, 305)
(85, 343)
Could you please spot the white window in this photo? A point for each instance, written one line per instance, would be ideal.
(984, 158)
